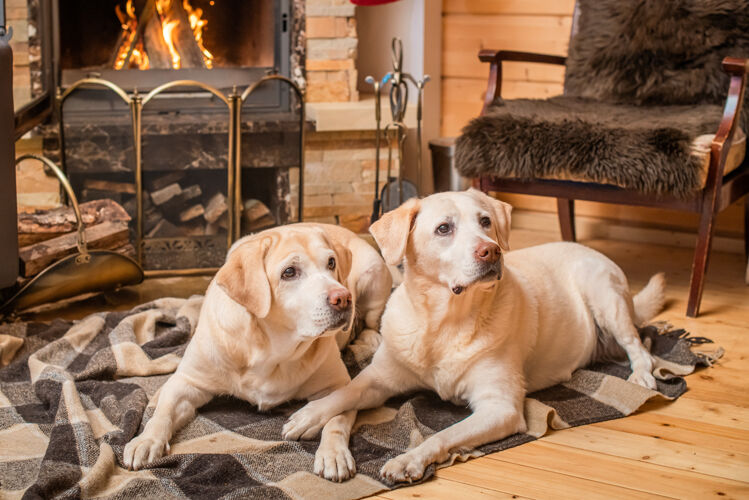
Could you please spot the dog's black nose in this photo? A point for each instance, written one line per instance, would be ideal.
(339, 299)
(487, 251)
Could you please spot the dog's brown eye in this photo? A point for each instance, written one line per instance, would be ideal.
(485, 221)
(443, 229)
(331, 263)
(288, 273)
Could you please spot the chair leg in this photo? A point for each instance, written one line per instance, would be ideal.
(701, 257)
(746, 228)
(566, 213)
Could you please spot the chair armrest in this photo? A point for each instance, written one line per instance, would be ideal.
(738, 69)
(495, 58)
(514, 55)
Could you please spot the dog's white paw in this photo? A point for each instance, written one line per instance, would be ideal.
(643, 378)
(143, 450)
(306, 423)
(403, 468)
(334, 462)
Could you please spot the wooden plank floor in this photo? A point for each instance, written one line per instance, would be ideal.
(695, 447)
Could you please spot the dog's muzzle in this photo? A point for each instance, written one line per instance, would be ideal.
(494, 273)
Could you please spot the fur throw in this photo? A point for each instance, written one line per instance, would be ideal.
(647, 149)
(656, 51)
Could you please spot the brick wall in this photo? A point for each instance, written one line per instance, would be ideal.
(17, 13)
(340, 166)
(331, 51)
(339, 178)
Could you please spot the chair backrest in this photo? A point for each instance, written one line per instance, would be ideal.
(655, 51)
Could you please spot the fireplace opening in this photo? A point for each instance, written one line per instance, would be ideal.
(239, 40)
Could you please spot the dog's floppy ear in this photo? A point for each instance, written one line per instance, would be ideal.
(343, 262)
(501, 212)
(244, 279)
(392, 230)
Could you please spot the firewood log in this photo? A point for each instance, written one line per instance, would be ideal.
(256, 216)
(154, 44)
(34, 258)
(215, 208)
(173, 207)
(115, 187)
(191, 213)
(183, 38)
(42, 225)
(165, 194)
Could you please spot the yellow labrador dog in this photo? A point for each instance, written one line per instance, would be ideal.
(481, 331)
(267, 334)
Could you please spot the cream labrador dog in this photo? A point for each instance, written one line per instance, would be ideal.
(267, 334)
(484, 332)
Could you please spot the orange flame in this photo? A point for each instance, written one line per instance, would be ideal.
(139, 58)
(197, 23)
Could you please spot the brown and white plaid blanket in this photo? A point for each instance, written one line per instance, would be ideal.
(72, 394)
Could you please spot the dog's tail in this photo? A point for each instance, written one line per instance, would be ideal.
(650, 300)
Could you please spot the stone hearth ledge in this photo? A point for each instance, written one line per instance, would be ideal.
(355, 115)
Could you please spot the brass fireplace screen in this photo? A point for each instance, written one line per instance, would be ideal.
(234, 101)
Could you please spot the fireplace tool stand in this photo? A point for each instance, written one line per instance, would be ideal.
(234, 101)
(396, 189)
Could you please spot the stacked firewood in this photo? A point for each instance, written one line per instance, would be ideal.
(172, 208)
(46, 236)
(176, 204)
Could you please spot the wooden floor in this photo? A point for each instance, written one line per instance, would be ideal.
(695, 447)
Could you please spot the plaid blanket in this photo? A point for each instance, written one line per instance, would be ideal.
(72, 394)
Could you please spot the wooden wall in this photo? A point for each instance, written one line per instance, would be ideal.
(534, 26)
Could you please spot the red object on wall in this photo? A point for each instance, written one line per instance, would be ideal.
(371, 2)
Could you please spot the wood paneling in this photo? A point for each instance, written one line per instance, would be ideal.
(464, 35)
(521, 7)
(462, 98)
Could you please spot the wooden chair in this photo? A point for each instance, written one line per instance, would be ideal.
(719, 190)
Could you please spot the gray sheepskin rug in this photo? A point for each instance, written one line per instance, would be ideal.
(643, 80)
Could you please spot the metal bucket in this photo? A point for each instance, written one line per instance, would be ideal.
(446, 176)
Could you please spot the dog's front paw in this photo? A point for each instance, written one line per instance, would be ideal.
(306, 423)
(643, 378)
(143, 450)
(369, 338)
(334, 462)
(405, 467)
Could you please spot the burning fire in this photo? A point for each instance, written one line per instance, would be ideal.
(138, 53)
(197, 23)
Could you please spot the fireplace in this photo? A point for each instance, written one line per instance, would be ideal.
(226, 45)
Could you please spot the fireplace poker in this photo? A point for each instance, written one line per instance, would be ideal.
(377, 203)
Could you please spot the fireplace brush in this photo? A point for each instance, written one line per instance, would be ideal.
(85, 271)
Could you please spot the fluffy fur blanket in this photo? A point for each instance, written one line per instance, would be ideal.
(648, 149)
(656, 52)
(75, 393)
